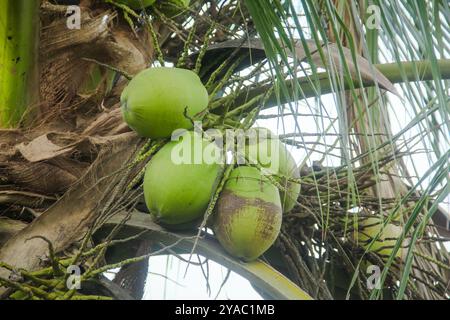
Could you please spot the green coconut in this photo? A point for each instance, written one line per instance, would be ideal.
(137, 4)
(369, 228)
(179, 180)
(171, 8)
(248, 214)
(158, 101)
(271, 154)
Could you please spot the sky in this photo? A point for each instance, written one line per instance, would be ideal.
(179, 285)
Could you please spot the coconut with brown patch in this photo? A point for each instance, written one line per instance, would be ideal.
(248, 214)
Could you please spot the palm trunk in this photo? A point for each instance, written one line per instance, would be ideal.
(19, 38)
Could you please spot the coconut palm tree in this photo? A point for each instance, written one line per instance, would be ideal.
(357, 89)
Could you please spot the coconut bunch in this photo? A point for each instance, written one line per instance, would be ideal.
(186, 183)
(249, 202)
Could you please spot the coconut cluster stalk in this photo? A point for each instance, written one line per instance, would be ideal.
(19, 36)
